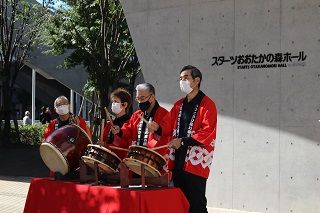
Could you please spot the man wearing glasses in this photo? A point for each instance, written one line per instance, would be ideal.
(136, 130)
(192, 121)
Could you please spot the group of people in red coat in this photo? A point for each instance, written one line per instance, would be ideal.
(188, 129)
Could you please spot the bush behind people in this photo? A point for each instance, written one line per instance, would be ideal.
(29, 134)
(32, 134)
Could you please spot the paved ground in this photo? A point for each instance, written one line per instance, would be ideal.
(13, 193)
(18, 165)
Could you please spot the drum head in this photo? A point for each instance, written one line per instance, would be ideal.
(104, 167)
(53, 158)
(135, 166)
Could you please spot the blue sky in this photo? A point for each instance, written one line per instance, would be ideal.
(57, 2)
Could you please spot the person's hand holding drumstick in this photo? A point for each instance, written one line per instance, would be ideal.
(74, 120)
(115, 129)
(152, 126)
(174, 143)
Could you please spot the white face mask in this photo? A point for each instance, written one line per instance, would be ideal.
(63, 109)
(185, 86)
(116, 108)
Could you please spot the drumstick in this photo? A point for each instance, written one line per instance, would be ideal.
(118, 148)
(102, 128)
(108, 115)
(143, 119)
(160, 147)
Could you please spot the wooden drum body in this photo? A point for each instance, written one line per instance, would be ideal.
(63, 148)
(107, 160)
(140, 155)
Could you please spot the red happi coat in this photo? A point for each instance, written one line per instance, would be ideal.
(130, 130)
(199, 158)
(117, 141)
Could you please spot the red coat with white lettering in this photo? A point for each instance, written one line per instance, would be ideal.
(199, 158)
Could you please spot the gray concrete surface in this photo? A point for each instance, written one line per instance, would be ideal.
(267, 148)
(13, 193)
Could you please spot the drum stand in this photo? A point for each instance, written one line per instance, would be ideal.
(111, 179)
(162, 181)
(122, 177)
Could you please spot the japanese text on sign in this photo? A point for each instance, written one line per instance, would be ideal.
(260, 61)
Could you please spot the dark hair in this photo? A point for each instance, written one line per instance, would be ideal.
(43, 109)
(195, 72)
(123, 95)
(146, 86)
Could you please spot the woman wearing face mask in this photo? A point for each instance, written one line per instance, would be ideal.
(120, 102)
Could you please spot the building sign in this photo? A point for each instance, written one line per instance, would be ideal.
(270, 60)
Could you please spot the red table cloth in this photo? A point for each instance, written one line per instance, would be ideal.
(48, 196)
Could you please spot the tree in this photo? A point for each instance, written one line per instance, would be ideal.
(20, 22)
(98, 35)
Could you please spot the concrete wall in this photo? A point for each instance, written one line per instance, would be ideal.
(267, 148)
(47, 65)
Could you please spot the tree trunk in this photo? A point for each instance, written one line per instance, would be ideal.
(132, 81)
(7, 111)
(91, 111)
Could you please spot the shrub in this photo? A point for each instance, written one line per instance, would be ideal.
(32, 134)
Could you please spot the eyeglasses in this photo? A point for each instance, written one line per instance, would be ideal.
(143, 98)
(60, 104)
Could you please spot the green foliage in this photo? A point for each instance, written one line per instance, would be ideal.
(20, 23)
(97, 35)
(32, 134)
(20, 27)
(29, 134)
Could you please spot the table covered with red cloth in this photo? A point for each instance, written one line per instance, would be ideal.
(46, 195)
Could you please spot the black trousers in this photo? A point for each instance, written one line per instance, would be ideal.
(194, 188)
